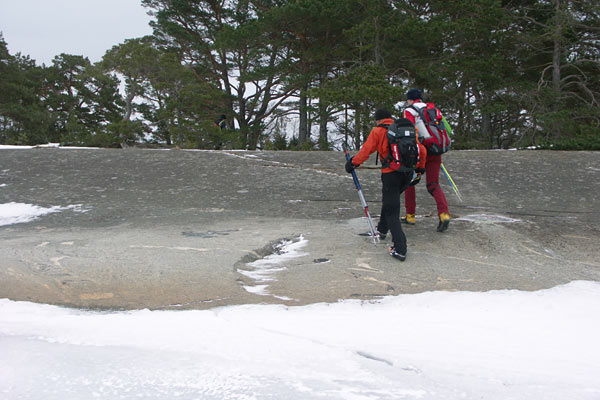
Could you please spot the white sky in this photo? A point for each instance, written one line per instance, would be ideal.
(44, 29)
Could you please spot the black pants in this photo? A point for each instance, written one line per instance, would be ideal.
(394, 183)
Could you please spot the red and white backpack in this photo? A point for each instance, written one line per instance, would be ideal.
(440, 142)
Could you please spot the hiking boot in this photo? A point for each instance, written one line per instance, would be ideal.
(444, 222)
(394, 253)
(408, 219)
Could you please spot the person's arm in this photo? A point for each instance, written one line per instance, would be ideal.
(409, 116)
(422, 159)
(422, 134)
(369, 147)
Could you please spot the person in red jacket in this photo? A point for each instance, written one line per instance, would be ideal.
(432, 168)
(393, 182)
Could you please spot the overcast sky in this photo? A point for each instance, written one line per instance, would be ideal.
(43, 29)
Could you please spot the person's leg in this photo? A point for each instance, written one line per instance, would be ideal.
(410, 206)
(410, 200)
(432, 174)
(382, 226)
(390, 210)
(432, 169)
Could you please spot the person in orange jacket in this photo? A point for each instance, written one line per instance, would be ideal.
(393, 182)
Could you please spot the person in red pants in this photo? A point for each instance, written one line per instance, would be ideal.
(432, 168)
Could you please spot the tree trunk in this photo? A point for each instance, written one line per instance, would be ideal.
(242, 122)
(346, 125)
(245, 134)
(486, 128)
(357, 126)
(129, 105)
(323, 140)
(303, 124)
(323, 115)
(556, 55)
(254, 133)
(557, 50)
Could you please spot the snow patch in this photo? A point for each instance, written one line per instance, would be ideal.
(486, 218)
(45, 146)
(49, 146)
(19, 213)
(263, 270)
(11, 147)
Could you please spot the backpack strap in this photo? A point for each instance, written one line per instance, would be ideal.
(419, 112)
(386, 126)
(386, 162)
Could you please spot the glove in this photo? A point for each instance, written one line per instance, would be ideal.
(428, 142)
(420, 171)
(349, 166)
(415, 180)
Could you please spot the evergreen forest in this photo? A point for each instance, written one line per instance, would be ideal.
(309, 74)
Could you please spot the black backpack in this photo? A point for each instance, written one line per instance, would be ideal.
(404, 150)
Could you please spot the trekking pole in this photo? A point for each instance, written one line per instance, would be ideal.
(452, 184)
(374, 233)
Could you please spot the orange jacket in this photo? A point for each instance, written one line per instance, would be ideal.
(377, 141)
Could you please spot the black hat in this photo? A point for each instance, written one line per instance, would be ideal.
(414, 94)
(382, 113)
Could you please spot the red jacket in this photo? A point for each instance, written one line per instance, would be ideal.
(377, 141)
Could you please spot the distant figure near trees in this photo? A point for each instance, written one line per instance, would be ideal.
(221, 122)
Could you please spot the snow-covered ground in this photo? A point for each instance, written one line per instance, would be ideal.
(44, 146)
(437, 345)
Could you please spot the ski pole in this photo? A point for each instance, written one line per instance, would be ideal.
(452, 184)
(374, 233)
